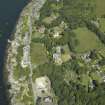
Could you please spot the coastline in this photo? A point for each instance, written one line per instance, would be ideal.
(7, 72)
(7, 85)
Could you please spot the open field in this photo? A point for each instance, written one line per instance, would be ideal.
(100, 7)
(102, 24)
(50, 19)
(66, 55)
(37, 35)
(38, 53)
(87, 40)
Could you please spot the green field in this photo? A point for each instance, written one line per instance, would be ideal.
(87, 40)
(38, 54)
(50, 19)
(37, 35)
(100, 7)
(66, 55)
(102, 24)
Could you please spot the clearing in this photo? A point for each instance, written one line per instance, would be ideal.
(87, 40)
(38, 53)
(100, 7)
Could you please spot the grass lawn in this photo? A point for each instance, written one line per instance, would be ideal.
(100, 7)
(50, 19)
(16, 73)
(102, 24)
(25, 94)
(57, 6)
(19, 72)
(25, 24)
(66, 55)
(38, 53)
(37, 35)
(87, 40)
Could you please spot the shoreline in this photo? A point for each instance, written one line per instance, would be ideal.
(7, 74)
(7, 85)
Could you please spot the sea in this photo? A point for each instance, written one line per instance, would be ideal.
(9, 14)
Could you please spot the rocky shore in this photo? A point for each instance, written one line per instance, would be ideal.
(32, 12)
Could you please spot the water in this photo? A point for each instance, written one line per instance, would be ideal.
(9, 13)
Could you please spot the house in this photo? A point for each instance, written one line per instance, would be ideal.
(26, 58)
(57, 56)
(86, 57)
